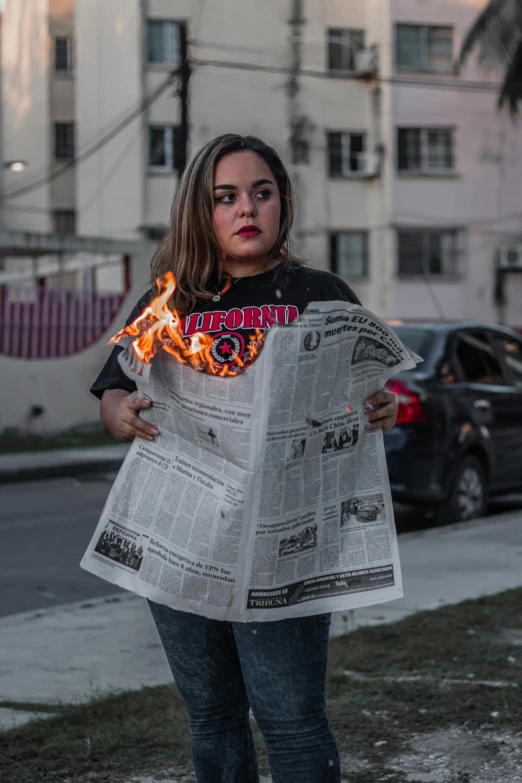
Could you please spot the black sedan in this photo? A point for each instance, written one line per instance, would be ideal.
(458, 438)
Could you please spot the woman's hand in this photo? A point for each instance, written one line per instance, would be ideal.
(119, 413)
(385, 416)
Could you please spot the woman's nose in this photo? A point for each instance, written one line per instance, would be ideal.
(247, 206)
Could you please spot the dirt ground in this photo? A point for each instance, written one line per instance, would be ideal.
(456, 755)
(434, 698)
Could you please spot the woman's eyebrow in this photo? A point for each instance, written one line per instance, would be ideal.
(255, 184)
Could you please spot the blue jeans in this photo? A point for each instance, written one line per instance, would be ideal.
(278, 669)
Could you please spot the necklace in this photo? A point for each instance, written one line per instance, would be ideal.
(232, 281)
(228, 284)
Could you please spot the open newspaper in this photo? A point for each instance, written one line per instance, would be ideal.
(264, 496)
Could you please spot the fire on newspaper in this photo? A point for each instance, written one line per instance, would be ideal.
(159, 327)
(264, 496)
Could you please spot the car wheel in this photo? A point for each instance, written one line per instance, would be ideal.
(468, 497)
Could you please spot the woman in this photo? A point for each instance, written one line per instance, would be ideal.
(229, 249)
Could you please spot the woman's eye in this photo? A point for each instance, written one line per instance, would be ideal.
(264, 194)
(226, 198)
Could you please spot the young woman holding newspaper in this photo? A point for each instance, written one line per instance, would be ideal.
(228, 249)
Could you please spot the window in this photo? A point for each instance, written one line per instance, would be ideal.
(425, 48)
(63, 55)
(349, 253)
(162, 147)
(418, 340)
(163, 42)
(512, 354)
(64, 141)
(345, 158)
(426, 150)
(343, 44)
(475, 359)
(64, 221)
(433, 253)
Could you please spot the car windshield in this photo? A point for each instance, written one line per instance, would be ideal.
(419, 341)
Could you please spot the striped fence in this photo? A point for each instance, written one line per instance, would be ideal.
(45, 323)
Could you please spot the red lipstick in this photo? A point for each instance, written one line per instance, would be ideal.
(248, 232)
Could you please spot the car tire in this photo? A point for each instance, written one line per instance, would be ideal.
(468, 496)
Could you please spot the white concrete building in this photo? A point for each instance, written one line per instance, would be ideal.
(407, 177)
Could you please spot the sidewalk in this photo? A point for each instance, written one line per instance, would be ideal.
(70, 653)
(29, 465)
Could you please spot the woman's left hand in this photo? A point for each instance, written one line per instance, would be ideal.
(385, 416)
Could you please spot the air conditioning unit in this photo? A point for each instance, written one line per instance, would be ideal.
(510, 257)
(367, 61)
(368, 165)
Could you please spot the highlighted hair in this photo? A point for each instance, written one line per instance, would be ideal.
(190, 250)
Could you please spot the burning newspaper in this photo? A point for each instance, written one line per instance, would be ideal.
(159, 327)
(262, 497)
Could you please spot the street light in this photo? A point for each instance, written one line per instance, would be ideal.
(15, 165)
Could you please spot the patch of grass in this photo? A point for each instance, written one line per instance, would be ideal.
(453, 640)
(147, 730)
(111, 737)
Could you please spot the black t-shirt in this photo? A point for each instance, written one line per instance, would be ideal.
(279, 295)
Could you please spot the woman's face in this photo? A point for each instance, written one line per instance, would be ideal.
(247, 207)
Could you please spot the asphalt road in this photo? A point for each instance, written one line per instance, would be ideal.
(45, 527)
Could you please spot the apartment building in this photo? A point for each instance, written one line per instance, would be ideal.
(407, 177)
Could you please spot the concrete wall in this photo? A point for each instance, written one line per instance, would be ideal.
(61, 386)
(25, 110)
(481, 196)
(108, 87)
(62, 99)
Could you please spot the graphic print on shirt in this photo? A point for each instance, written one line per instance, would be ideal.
(227, 347)
(232, 327)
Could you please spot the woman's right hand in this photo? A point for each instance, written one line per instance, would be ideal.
(119, 413)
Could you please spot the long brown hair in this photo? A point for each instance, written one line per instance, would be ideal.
(190, 250)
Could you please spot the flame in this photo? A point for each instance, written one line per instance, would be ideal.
(158, 327)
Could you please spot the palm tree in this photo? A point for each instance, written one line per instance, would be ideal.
(497, 32)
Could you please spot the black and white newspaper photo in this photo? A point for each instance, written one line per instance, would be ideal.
(264, 496)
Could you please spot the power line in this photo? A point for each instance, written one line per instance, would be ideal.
(137, 112)
(28, 175)
(467, 86)
(252, 67)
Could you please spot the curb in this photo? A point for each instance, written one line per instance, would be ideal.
(432, 532)
(30, 466)
(71, 469)
(21, 618)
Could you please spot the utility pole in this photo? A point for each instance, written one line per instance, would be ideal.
(295, 22)
(298, 122)
(185, 71)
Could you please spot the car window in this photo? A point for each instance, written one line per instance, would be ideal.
(475, 359)
(511, 350)
(418, 340)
